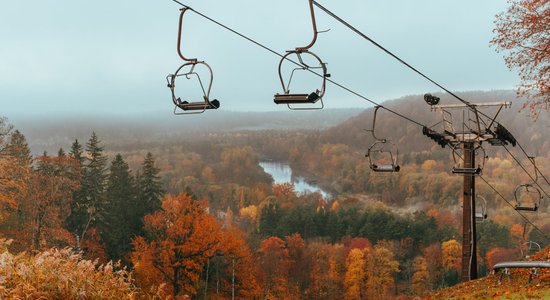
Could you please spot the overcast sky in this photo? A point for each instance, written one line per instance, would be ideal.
(112, 57)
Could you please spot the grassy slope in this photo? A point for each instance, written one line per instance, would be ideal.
(515, 287)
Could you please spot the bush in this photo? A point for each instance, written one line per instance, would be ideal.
(62, 274)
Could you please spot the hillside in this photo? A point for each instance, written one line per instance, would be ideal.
(533, 135)
(514, 287)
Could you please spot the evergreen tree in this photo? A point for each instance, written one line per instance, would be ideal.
(269, 220)
(90, 198)
(116, 225)
(19, 149)
(76, 152)
(74, 220)
(149, 188)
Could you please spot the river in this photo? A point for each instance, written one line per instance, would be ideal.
(282, 173)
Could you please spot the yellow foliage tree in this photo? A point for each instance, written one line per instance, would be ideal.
(420, 284)
(381, 268)
(354, 280)
(451, 254)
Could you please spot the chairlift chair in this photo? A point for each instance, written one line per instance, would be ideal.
(524, 191)
(459, 167)
(481, 209)
(291, 99)
(380, 149)
(529, 248)
(187, 106)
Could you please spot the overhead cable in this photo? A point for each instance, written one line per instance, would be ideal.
(356, 93)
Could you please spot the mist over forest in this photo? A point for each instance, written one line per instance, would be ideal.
(111, 195)
(49, 132)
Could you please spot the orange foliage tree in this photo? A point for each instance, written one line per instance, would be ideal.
(49, 200)
(13, 175)
(300, 264)
(237, 279)
(13, 183)
(180, 238)
(498, 254)
(524, 32)
(274, 268)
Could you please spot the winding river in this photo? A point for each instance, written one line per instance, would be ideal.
(282, 173)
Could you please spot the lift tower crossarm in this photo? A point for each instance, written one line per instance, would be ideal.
(505, 104)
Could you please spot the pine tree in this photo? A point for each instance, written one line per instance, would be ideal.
(269, 219)
(74, 220)
(116, 229)
(91, 196)
(149, 188)
(76, 152)
(19, 149)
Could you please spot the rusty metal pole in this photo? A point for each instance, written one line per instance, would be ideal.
(469, 243)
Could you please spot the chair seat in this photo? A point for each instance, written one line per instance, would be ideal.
(385, 168)
(296, 98)
(200, 105)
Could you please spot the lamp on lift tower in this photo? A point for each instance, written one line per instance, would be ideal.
(431, 99)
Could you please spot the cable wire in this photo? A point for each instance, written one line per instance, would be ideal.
(534, 165)
(527, 172)
(301, 65)
(511, 205)
(357, 31)
(330, 13)
(365, 98)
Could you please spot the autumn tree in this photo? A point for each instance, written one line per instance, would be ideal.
(354, 280)
(433, 257)
(14, 170)
(451, 253)
(49, 199)
(523, 31)
(234, 261)
(299, 270)
(499, 254)
(420, 279)
(179, 239)
(381, 269)
(274, 268)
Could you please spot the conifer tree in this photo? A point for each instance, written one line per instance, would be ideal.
(116, 229)
(19, 149)
(269, 219)
(76, 152)
(149, 188)
(86, 206)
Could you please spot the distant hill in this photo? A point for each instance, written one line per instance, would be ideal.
(534, 136)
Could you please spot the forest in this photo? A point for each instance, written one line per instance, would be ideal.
(197, 215)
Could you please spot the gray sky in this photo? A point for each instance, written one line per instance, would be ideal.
(112, 57)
